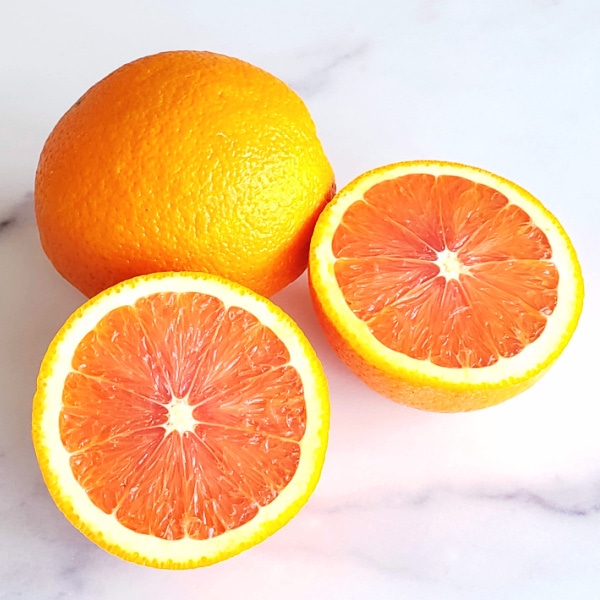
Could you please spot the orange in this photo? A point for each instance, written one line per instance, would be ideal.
(183, 161)
(179, 419)
(443, 286)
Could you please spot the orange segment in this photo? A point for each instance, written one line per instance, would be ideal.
(189, 410)
(370, 284)
(366, 230)
(509, 234)
(411, 203)
(428, 272)
(465, 207)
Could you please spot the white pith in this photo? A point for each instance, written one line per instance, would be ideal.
(180, 417)
(450, 264)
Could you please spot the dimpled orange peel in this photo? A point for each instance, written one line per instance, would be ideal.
(182, 161)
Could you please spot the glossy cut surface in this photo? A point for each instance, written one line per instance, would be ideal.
(182, 417)
(445, 269)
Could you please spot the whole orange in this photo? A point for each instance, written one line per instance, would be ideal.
(182, 161)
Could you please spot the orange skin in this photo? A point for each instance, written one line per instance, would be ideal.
(182, 161)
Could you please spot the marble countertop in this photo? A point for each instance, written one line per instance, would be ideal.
(498, 504)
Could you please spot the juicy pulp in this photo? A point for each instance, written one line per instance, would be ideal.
(445, 269)
(182, 416)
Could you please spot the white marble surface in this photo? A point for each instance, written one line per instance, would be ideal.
(499, 504)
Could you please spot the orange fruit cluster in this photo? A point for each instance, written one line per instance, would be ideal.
(180, 416)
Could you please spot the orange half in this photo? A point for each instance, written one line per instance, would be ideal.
(444, 286)
(179, 419)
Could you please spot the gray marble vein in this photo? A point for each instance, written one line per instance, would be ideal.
(327, 64)
(569, 503)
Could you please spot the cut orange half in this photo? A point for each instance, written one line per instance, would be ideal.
(179, 419)
(443, 286)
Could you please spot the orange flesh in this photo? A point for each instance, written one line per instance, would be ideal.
(162, 477)
(445, 269)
